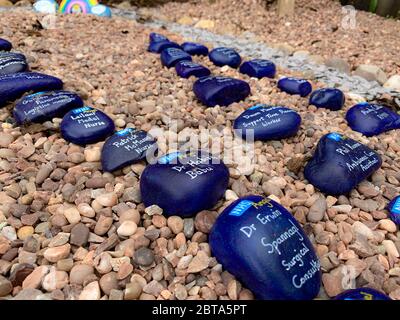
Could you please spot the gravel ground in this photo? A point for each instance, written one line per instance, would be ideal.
(60, 215)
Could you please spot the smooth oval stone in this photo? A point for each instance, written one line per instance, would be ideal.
(265, 122)
(171, 56)
(261, 244)
(101, 10)
(186, 69)
(295, 86)
(159, 46)
(46, 6)
(372, 119)
(329, 98)
(14, 85)
(222, 91)
(394, 210)
(195, 49)
(157, 37)
(125, 147)
(362, 294)
(12, 62)
(223, 56)
(258, 68)
(340, 163)
(5, 45)
(43, 106)
(86, 125)
(184, 183)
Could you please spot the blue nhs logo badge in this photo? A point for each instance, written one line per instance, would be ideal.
(241, 208)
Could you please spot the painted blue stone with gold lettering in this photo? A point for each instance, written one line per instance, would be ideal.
(362, 294)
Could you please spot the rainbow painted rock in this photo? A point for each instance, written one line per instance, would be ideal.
(14, 85)
(329, 98)
(46, 6)
(223, 56)
(362, 294)
(171, 56)
(195, 49)
(339, 164)
(184, 183)
(394, 210)
(216, 90)
(295, 86)
(265, 122)
(125, 147)
(44, 106)
(263, 246)
(86, 125)
(258, 68)
(372, 119)
(186, 69)
(12, 62)
(5, 45)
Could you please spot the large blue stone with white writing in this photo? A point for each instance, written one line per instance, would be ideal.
(184, 183)
(223, 56)
(216, 90)
(265, 122)
(159, 46)
(262, 245)
(339, 164)
(86, 125)
(171, 56)
(195, 49)
(12, 62)
(372, 119)
(14, 85)
(5, 45)
(362, 294)
(329, 98)
(258, 68)
(186, 69)
(125, 147)
(394, 210)
(295, 86)
(43, 106)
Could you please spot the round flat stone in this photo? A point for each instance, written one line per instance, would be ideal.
(262, 245)
(265, 122)
(171, 56)
(195, 49)
(329, 98)
(372, 119)
(125, 147)
(86, 125)
(12, 62)
(186, 69)
(46, 6)
(101, 10)
(223, 91)
(362, 294)
(258, 68)
(43, 106)
(159, 46)
(394, 210)
(295, 86)
(339, 164)
(184, 183)
(223, 56)
(5, 45)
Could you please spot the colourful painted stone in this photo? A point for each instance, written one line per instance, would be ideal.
(170, 56)
(12, 62)
(223, 56)
(295, 86)
(101, 10)
(77, 6)
(195, 49)
(329, 98)
(5, 45)
(46, 6)
(362, 294)
(258, 68)
(186, 69)
(394, 210)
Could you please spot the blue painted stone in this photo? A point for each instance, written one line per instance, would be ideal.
(186, 69)
(12, 62)
(394, 210)
(43, 106)
(101, 10)
(340, 163)
(86, 125)
(184, 183)
(14, 85)
(362, 294)
(267, 123)
(261, 244)
(171, 56)
(223, 56)
(5, 45)
(295, 86)
(159, 46)
(329, 98)
(195, 49)
(372, 119)
(222, 91)
(157, 37)
(125, 147)
(46, 6)
(258, 68)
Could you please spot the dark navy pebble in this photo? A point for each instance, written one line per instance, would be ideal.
(362, 294)
(170, 56)
(263, 246)
(394, 210)
(186, 69)
(5, 45)
(223, 56)
(195, 49)
(258, 68)
(295, 86)
(339, 164)
(222, 91)
(12, 62)
(157, 37)
(86, 125)
(158, 47)
(184, 183)
(329, 98)
(125, 147)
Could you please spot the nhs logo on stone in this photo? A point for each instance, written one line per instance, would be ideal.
(241, 208)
